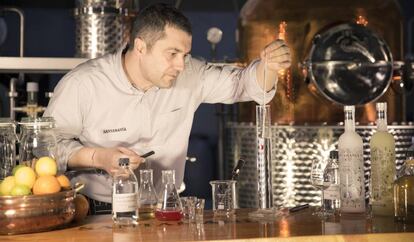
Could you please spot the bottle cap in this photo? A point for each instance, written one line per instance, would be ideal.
(32, 87)
(333, 154)
(124, 161)
(381, 106)
(349, 108)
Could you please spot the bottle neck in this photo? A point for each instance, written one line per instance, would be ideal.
(349, 121)
(382, 120)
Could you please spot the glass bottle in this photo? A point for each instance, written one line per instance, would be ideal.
(382, 147)
(37, 139)
(351, 166)
(125, 195)
(169, 206)
(404, 191)
(7, 147)
(332, 195)
(147, 195)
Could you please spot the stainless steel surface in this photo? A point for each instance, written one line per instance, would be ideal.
(102, 26)
(21, 18)
(38, 64)
(349, 64)
(36, 213)
(293, 148)
(260, 22)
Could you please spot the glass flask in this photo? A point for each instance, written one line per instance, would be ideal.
(124, 195)
(37, 139)
(7, 147)
(147, 195)
(169, 206)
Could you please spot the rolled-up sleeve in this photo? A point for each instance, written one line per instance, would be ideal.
(230, 84)
(67, 108)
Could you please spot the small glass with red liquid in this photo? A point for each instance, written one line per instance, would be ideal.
(169, 207)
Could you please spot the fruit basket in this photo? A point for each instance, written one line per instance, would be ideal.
(36, 213)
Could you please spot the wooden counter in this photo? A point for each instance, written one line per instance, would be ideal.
(299, 226)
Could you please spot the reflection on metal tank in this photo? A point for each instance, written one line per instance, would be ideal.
(102, 26)
(262, 21)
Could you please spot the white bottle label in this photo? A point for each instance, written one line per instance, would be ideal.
(332, 192)
(351, 172)
(124, 202)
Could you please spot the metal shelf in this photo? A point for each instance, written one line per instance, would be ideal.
(38, 64)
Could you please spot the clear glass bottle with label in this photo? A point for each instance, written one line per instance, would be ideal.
(147, 196)
(351, 166)
(331, 175)
(125, 195)
(382, 147)
(404, 191)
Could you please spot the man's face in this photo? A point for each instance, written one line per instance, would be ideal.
(162, 64)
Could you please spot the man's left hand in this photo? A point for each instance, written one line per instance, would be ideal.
(276, 55)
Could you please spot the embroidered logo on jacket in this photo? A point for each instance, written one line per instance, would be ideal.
(106, 131)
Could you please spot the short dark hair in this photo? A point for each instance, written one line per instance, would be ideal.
(150, 23)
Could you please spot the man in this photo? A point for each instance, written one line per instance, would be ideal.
(144, 97)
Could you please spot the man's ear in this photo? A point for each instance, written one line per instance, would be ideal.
(140, 46)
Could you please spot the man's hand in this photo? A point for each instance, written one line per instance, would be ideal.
(276, 56)
(108, 158)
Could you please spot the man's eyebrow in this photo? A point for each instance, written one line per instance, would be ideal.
(178, 50)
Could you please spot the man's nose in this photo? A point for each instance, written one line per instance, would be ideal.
(179, 64)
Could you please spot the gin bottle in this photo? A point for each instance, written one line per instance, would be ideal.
(125, 195)
(351, 167)
(382, 146)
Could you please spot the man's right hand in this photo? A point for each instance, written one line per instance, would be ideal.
(108, 158)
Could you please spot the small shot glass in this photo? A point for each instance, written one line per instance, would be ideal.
(199, 209)
(188, 206)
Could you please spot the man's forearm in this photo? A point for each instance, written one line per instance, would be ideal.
(271, 77)
(83, 158)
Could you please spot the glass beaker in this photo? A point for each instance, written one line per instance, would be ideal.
(169, 206)
(147, 196)
(7, 147)
(37, 139)
(224, 196)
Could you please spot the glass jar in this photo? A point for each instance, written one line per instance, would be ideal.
(37, 139)
(7, 147)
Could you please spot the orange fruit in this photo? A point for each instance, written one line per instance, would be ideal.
(25, 176)
(46, 166)
(63, 181)
(46, 185)
(7, 185)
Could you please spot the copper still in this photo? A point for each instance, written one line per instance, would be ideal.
(296, 101)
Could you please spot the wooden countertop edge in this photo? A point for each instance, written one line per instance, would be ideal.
(379, 237)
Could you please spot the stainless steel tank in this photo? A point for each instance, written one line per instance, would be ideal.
(295, 102)
(102, 26)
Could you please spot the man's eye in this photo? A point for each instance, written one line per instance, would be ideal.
(173, 54)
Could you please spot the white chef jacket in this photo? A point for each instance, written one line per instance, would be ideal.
(95, 105)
